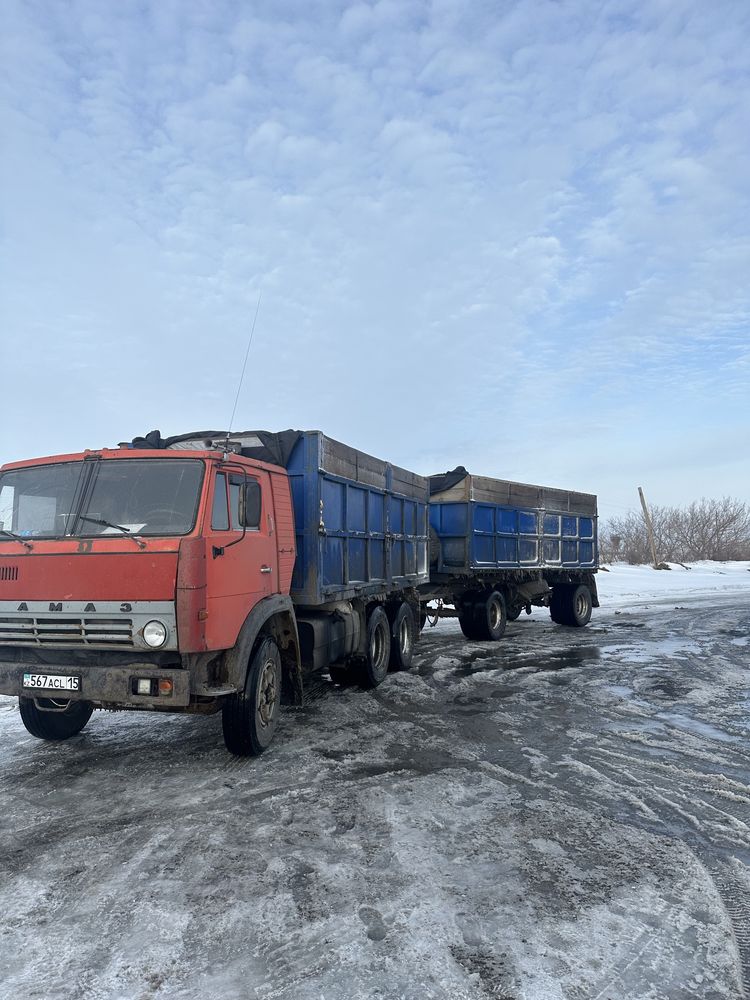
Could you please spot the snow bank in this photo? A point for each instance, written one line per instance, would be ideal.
(624, 585)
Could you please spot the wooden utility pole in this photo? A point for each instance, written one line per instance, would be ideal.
(649, 527)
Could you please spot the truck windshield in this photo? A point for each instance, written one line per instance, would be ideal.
(112, 497)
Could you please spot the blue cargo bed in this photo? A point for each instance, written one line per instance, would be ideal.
(361, 523)
(483, 524)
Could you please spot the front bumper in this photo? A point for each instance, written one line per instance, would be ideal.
(106, 686)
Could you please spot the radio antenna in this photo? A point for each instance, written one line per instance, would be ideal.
(242, 375)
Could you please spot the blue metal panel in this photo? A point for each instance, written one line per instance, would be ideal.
(477, 536)
(376, 512)
(356, 507)
(528, 551)
(352, 536)
(333, 562)
(551, 524)
(507, 550)
(377, 559)
(358, 560)
(507, 520)
(570, 552)
(333, 496)
(551, 550)
(527, 522)
(410, 517)
(484, 517)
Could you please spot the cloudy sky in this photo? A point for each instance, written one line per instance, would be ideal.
(511, 235)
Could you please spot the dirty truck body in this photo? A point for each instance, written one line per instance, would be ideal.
(498, 547)
(196, 574)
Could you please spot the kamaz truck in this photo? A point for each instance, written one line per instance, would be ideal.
(212, 573)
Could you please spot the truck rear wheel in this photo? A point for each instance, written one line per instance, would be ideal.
(57, 724)
(402, 638)
(378, 651)
(249, 718)
(491, 616)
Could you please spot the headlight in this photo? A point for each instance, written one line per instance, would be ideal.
(154, 634)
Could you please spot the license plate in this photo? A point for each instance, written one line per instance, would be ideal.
(52, 682)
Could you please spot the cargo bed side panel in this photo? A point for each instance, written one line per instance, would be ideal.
(361, 524)
(475, 537)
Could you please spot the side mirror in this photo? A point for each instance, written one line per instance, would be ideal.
(250, 504)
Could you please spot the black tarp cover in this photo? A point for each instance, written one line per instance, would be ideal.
(275, 446)
(447, 479)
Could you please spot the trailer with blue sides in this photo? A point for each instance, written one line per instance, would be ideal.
(499, 547)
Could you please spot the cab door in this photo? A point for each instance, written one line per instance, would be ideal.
(241, 562)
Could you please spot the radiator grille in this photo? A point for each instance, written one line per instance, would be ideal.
(8, 572)
(63, 630)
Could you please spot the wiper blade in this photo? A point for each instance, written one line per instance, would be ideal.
(105, 524)
(16, 538)
(118, 527)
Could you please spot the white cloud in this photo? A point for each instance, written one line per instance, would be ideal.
(493, 230)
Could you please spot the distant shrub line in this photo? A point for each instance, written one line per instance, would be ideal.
(706, 529)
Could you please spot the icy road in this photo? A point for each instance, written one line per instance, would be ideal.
(563, 814)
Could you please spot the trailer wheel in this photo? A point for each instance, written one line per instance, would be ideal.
(571, 605)
(580, 606)
(378, 651)
(491, 616)
(558, 603)
(467, 619)
(56, 724)
(249, 718)
(402, 638)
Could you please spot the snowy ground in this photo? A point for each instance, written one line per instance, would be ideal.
(563, 814)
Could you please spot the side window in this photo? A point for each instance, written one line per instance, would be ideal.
(7, 496)
(219, 513)
(252, 504)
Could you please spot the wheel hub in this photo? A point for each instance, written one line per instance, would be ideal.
(267, 693)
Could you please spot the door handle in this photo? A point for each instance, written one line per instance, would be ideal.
(265, 569)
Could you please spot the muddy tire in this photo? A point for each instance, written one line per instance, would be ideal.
(571, 605)
(467, 619)
(402, 638)
(54, 725)
(579, 613)
(558, 603)
(491, 616)
(378, 652)
(249, 718)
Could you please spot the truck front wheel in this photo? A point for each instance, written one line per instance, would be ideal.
(58, 723)
(249, 718)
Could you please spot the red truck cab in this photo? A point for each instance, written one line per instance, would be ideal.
(151, 579)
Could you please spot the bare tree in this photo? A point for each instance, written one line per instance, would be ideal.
(706, 529)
